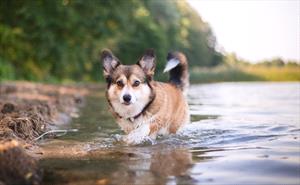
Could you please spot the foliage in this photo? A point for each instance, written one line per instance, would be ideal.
(54, 40)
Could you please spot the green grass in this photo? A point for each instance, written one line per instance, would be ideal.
(244, 73)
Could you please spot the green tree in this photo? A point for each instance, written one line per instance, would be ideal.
(61, 39)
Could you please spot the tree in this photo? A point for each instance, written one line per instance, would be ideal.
(61, 39)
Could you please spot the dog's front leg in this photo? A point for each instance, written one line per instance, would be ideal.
(138, 135)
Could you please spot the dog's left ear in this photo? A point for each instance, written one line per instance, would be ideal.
(147, 63)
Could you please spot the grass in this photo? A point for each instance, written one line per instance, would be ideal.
(286, 73)
(244, 73)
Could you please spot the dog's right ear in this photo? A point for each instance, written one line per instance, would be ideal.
(109, 62)
(147, 63)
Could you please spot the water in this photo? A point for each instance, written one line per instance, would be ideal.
(241, 133)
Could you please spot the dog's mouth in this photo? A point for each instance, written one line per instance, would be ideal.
(126, 103)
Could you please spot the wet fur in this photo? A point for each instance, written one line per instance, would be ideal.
(158, 108)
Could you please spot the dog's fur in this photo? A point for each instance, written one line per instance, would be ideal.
(154, 107)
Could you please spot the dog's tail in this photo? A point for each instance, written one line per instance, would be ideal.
(178, 66)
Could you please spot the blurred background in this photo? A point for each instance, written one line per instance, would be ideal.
(58, 41)
(240, 133)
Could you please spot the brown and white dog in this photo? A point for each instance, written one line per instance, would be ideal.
(144, 107)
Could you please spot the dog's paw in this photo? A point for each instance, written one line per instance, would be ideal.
(138, 136)
(130, 140)
(141, 141)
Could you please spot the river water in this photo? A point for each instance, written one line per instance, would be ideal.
(241, 133)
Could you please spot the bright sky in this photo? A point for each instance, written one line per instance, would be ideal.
(254, 29)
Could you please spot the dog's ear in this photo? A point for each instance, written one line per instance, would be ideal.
(109, 62)
(147, 63)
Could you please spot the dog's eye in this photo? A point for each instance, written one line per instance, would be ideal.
(136, 83)
(120, 83)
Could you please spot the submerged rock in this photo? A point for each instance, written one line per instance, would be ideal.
(8, 108)
(16, 166)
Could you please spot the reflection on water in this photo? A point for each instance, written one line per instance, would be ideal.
(154, 165)
(241, 133)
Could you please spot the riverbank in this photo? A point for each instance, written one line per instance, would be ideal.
(28, 110)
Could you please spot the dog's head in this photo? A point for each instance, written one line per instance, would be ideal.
(128, 86)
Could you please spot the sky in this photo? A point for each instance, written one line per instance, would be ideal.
(254, 29)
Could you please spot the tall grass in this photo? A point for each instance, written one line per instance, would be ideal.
(245, 73)
(274, 73)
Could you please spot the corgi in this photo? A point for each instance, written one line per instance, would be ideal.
(143, 107)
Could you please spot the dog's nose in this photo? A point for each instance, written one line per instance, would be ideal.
(127, 98)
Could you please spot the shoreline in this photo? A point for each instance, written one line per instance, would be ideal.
(28, 110)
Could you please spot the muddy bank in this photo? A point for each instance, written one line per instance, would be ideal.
(28, 110)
